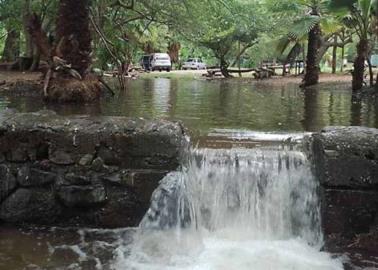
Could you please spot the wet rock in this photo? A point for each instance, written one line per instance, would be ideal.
(346, 164)
(115, 178)
(17, 155)
(79, 180)
(33, 205)
(86, 160)
(347, 157)
(82, 196)
(97, 164)
(31, 177)
(61, 158)
(166, 196)
(8, 182)
(122, 210)
(109, 156)
(2, 158)
(349, 212)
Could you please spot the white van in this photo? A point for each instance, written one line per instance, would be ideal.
(161, 61)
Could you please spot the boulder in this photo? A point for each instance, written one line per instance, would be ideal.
(82, 196)
(8, 182)
(346, 164)
(34, 205)
(347, 157)
(32, 177)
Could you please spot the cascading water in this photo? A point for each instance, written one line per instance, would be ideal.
(233, 209)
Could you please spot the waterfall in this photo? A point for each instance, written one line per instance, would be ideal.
(231, 209)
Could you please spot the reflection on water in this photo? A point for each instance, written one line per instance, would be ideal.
(207, 105)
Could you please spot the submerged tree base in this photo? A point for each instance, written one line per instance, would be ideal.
(64, 90)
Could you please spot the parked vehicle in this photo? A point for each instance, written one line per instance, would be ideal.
(145, 62)
(161, 61)
(194, 63)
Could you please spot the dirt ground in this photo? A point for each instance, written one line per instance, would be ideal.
(10, 77)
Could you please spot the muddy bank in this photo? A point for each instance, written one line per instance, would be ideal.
(82, 171)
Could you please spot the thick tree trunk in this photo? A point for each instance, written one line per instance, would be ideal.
(334, 55)
(12, 46)
(36, 59)
(312, 66)
(28, 38)
(73, 35)
(173, 51)
(359, 65)
(39, 37)
(224, 68)
(148, 49)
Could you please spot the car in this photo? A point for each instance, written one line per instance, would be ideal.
(145, 62)
(161, 61)
(194, 63)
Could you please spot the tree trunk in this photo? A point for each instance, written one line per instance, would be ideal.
(371, 74)
(36, 59)
(73, 35)
(312, 66)
(28, 38)
(334, 55)
(224, 68)
(342, 58)
(359, 65)
(173, 51)
(12, 46)
(342, 51)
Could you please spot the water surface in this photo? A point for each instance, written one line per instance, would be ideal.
(221, 114)
(206, 105)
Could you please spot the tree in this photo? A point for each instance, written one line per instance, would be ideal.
(357, 14)
(69, 56)
(10, 11)
(316, 27)
(73, 35)
(221, 25)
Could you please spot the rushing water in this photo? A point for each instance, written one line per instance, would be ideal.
(232, 209)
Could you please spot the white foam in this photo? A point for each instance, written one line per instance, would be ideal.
(233, 210)
(217, 253)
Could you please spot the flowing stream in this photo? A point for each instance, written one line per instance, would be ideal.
(232, 209)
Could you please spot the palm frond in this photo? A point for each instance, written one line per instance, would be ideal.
(293, 53)
(283, 44)
(342, 5)
(303, 26)
(365, 6)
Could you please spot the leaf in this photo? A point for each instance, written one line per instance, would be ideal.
(365, 6)
(283, 44)
(303, 26)
(342, 5)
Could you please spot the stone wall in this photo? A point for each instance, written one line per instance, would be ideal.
(83, 171)
(346, 164)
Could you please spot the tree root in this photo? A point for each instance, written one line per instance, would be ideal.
(69, 90)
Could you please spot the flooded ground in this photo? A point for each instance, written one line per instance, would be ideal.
(219, 114)
(238, 105)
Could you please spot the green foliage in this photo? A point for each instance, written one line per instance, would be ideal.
(208, 29)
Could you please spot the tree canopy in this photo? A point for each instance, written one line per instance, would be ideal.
(222, 32)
